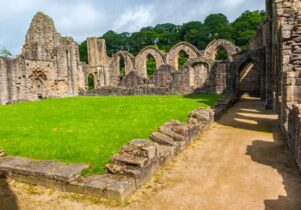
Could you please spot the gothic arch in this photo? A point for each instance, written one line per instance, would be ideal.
(141, 59)
(129, 60)
(173, 54)
(212, 48)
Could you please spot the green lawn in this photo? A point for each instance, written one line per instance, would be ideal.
(88, 129)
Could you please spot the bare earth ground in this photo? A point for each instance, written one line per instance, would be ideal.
(241, 162)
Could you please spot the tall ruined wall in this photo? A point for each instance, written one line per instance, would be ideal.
(47, 68)
(284, 52)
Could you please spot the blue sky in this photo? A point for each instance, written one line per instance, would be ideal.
(85, 18)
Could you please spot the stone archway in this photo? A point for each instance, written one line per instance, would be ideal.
(249, 78)
(173, 55)
(141, 60)
(213, 47)
(38, 78)
(91, 81)
(39, 88)
(128, 62)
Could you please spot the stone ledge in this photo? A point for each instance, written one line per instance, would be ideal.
(45, 169)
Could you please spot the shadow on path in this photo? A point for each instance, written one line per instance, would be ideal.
(8, 200)
(250, 115)
(276, 155)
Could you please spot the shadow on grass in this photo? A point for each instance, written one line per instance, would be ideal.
(208, 100)
(8, 200)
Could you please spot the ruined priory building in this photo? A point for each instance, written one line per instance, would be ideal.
(49, 67)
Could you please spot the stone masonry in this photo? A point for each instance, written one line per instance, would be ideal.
(47, 68)
(201, 73)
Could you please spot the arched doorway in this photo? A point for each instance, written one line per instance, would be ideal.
(121, 66)
(39, 88)
(91, 82)
(151, 65)
(249, 79)
(183, 57)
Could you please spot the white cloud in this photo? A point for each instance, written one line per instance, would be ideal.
(135, 18)
(81, 19)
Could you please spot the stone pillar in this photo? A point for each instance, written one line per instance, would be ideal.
(269, 63)
(97, 53)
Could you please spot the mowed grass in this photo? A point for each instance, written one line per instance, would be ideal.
(88, 129)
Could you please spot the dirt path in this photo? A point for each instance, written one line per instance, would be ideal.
(240, 163)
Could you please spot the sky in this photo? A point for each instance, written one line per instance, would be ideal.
(87, 18)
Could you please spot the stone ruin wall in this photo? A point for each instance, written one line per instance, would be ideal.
(284, 52)
(47, 68)
(201, 73)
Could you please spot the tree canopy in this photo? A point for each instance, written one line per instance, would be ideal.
(200, 34)
(5, 53)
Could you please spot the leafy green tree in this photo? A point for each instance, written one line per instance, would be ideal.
(83, 52)
(221, 54)
(165, 36)
(150, 66)
(218, 27)
(122, 66)
(245, 26)
(186, 27)
(183, 58)
(5, 53)
(91, 84)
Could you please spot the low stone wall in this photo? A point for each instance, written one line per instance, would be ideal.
(127, 91)
(132, 167)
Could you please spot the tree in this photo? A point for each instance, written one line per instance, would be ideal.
(83, 52)
(5, 53)
(218, 27)
(245, 26)
(165, 36)
(150, 66)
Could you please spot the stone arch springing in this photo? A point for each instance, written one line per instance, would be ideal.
(141, 60)
(173, 54)
(211, 50)
(91, 81)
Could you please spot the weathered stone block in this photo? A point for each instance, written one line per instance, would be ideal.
(131, 160)
(121, 189)
(162, 139)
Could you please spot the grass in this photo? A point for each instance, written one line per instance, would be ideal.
(88, 129)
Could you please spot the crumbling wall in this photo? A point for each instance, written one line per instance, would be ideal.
(173, 55)
(193, 77)
(47, 68)
(141, 60)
